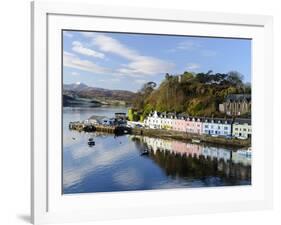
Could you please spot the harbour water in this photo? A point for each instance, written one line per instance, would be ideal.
(117, 163)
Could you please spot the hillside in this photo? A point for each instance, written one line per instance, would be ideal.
(80, 91)
(194, 94)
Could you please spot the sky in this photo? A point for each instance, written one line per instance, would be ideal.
(124, 61)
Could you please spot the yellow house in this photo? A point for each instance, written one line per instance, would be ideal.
(242, 128)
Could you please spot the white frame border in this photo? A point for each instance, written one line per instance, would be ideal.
(40, 12)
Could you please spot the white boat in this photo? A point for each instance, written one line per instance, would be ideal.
(195, 141)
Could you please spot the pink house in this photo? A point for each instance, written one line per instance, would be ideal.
(179, 125)
(193, 125)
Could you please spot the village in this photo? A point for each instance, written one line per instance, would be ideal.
(233, 127)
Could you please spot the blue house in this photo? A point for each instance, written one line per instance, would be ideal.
(217, 126)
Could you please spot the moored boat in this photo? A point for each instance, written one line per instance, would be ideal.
(91, 142)
(195, 141)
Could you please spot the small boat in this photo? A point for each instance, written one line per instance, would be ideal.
(91, 142)
(195, 141)
(145, 152)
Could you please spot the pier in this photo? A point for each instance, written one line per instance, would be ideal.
(80, 126)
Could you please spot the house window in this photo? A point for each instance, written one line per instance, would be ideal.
(236, 129)
(206, 126)
(225, 128)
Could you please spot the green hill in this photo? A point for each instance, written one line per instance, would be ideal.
(195, 94)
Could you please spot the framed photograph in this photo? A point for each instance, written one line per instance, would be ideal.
(146, 112)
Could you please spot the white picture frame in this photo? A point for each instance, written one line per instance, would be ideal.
(48, 205)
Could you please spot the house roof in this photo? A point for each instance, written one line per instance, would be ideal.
(242, 121)
(238, 97)
(217, 120)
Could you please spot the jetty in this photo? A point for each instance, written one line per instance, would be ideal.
(80, 126)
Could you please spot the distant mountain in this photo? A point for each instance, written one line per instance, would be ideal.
(104, 96)
(80, 102)
(75, 87)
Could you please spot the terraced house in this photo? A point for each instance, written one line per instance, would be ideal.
(217, 126)
(193, 125)
(153, 120)
(242, 128)
(167, 120)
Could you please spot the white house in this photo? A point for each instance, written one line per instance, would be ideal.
(167, 120)
(242, 128)
(217, 126)
(153, 121)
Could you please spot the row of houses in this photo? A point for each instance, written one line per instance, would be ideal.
(199, 125)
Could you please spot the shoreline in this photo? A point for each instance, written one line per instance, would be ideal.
(176, 135)
(164, 134)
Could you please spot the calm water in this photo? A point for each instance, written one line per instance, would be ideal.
(116, 164)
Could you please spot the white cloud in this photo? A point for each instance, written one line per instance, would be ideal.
(75, 74)
(67, 34)
(140, 81)
(72, 61)
(192, 66)
(188, 45)
(138, 64)
(79, 48)
(208, 53)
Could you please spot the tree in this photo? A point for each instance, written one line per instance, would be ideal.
(235, 78)
(133, 115)
(148, 87)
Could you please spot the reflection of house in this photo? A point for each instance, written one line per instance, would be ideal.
(242, 128)
(217, 126)
(195, 150)
(236, 104)
(217, 153)
(173, 146)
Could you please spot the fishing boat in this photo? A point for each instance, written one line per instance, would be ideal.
(91, 142)
(195, 141)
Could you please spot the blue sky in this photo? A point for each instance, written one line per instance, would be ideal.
(126, 61)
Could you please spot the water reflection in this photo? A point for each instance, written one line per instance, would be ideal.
(188, 160)
(116, 164)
